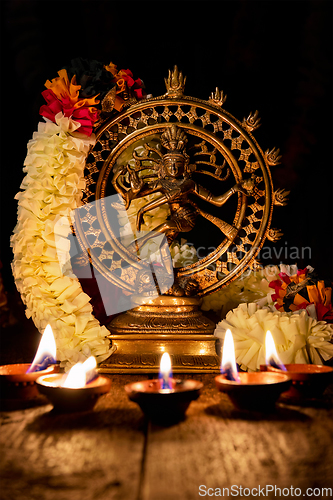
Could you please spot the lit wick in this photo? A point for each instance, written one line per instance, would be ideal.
(228, 364)
(165, 371)
(272, 357)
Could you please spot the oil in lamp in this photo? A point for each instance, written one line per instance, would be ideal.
(257, 391)
(77, 391)
(165, 399)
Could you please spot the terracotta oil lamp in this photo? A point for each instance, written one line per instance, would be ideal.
(308, 381)
(257, 391)
(18, 381)
(164, 400)
(77, 391)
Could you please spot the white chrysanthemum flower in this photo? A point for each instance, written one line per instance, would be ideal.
(298, 337)
(183, 254)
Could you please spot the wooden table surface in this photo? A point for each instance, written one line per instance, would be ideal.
(113, 452)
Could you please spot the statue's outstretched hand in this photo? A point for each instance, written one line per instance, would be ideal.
(246, 186)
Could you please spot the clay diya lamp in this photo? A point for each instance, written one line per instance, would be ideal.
(257, 391)
(18, 381)
(77, 391)
(308, 381)
(248, 391)
(164, 400)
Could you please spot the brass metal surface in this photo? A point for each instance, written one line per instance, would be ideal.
(217, 135)
(195, 142)
(167, 324)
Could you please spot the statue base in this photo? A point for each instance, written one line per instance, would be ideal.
(163, 324)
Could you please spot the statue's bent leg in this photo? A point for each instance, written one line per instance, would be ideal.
(169, 228)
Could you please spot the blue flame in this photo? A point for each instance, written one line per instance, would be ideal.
(275, 364)
(229, 373)
(165, 380)
(45, 362)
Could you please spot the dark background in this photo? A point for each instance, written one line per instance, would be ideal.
(274, 56)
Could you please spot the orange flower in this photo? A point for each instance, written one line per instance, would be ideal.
(68, 91)
(112, 68)
(62, 95)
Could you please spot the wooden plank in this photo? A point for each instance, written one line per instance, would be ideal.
(103, 454)
(92, 455)
(218, 446)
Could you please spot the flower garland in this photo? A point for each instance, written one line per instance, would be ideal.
(52, 188)
(298, 337)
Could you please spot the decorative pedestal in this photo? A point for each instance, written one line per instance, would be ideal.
(164, 324)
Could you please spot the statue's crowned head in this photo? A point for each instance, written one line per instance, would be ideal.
(176, 159)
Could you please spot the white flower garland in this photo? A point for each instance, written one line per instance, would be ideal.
(52, 188)
(298, 337)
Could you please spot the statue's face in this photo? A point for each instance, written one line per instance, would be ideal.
(174, 165)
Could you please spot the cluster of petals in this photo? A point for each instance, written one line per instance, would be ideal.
(62, 96)
(317, 292)
(124, 80)
(298, 337)
(51, 189)
(281, 283)
(126, 76)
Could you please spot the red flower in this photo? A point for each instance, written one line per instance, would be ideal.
(87, 118)
(86, 115)
(123, 79)
(127, 75)
(324, 313)
(285, 278)
(53, 106)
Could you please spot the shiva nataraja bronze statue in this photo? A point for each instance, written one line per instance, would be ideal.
(175, 184)
(193, 140)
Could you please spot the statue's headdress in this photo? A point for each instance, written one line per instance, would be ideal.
(174, 140)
